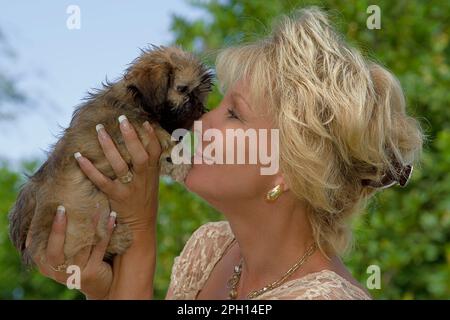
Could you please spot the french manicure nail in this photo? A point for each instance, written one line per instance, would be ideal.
(100, 130)
(112, 216)
(77, 155)
(148, 126)
(60, 212)
(99, 127)
(124, 122)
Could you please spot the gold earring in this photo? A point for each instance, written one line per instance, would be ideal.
(273, 194)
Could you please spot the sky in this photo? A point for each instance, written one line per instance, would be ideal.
(56, 65)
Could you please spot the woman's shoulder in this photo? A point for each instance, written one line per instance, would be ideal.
(208, 241)
(198, 257)
(213, 230)
(322, 285)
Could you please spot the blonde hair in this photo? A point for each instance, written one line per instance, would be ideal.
(341, 117)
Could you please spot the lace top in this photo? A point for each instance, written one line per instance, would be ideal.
(208, 243)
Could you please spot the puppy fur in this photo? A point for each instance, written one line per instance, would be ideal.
(165, 86)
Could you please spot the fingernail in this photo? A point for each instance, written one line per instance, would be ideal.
(148, 126)
(100, 130)
(124, 122)
(77, 155)
(112, 216)
(60, 212)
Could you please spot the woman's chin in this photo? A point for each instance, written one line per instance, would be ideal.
(197, 180)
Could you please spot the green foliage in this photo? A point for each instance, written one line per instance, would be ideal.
(403, 231)
(406, 233)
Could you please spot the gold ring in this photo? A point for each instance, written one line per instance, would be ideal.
(59, 268)
(126, 178)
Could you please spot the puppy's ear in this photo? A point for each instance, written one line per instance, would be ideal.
(148, 83)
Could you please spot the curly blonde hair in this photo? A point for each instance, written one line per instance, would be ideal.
(341, 117)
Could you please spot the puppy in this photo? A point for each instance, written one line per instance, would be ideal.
(165, 86)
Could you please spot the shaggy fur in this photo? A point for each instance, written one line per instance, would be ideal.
(165, 86)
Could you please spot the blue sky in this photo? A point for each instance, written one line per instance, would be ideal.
(55, 66)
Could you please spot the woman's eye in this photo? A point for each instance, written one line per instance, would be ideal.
(232, 114)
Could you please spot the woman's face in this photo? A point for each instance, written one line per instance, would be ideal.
(233, 120)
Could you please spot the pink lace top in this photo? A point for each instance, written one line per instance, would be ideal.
(208, 243)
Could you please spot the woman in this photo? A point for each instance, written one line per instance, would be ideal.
(343, 135)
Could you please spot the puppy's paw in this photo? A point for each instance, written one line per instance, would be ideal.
(177, 172)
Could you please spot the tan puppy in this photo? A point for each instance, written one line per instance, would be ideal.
(165, 86)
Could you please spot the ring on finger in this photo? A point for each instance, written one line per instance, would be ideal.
(127, 178)
(59, 268)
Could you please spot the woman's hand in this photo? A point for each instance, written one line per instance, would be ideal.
(95, 275)
(135, 202)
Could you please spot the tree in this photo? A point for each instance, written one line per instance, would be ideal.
(8, 88)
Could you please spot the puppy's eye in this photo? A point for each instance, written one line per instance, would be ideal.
(182, 89)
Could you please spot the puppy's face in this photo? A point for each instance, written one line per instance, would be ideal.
(171, 85)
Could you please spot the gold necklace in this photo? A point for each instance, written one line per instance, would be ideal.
(234, 280)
